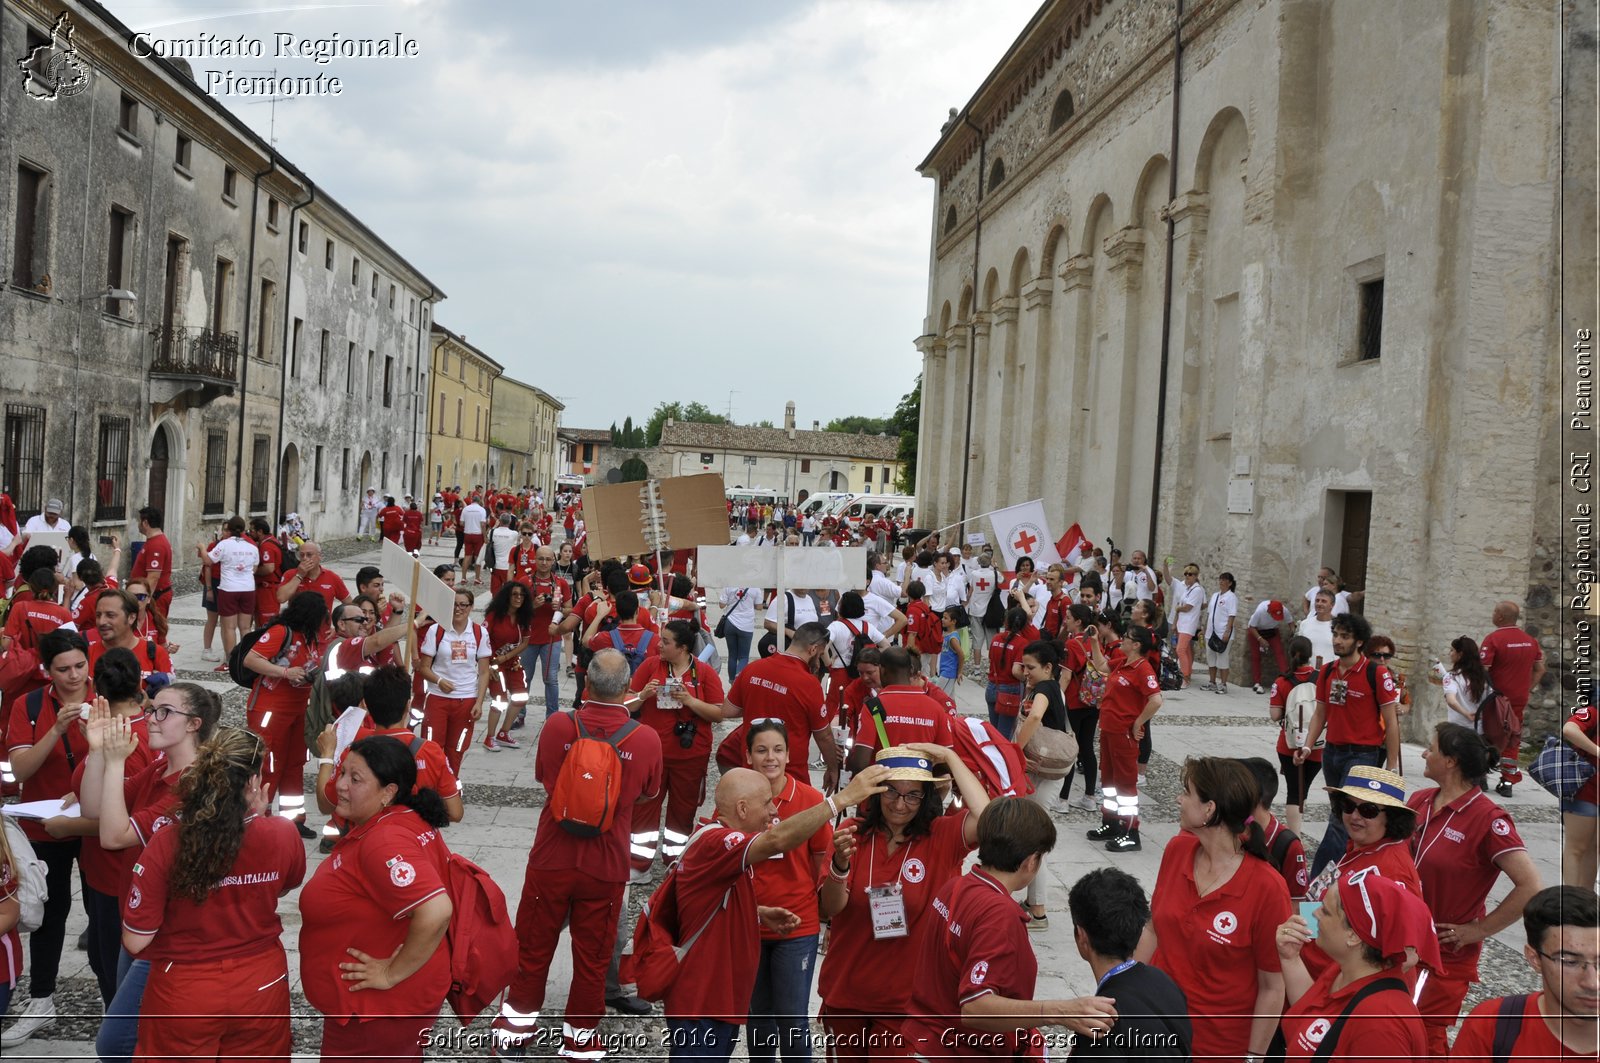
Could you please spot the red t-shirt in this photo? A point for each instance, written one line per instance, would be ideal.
(974, 943)
(1212, 946)
(151, 655)
(781, 688)
(853, 700)
(909, 715)
(1454, 852)
(852, 970)
(543, 615)
(433, 770)
(701, 681)
(1392, 859)
(630, 637)
(1386, 1025)
(1128, 688)
(604, 857)
(283, 647)
(1005, 650)
(1075, 659)
(1279, 698)
(154, 562)
(329, 585)
(105, 869)
(361, 897)
(240, 914)
(271, 554)
(1535, 1040)
(504, 631)
(413, 523)
(715, 977)
(1296, 874)
(347, 655)
(1588, 721)
(31, 620)
(790, 880)
(1509, 654)
(1351, 713)
(391, 519)
(54, 776)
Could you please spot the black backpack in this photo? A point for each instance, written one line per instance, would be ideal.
(859, 640)
(236, 670)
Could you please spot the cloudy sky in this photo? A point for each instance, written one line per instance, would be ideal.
(642, 201)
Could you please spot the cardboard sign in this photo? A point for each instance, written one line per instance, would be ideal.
(434, 596)
(693, 512)
(839, 568)
(54, 539)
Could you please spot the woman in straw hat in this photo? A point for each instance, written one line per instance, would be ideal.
(1359, 1007)
(1372, 805)
(887, 865)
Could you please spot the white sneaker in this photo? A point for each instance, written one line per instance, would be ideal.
(1210, 687)
(1057, 804)
(1258, 689)
(1141, 780)
(40, 1014)
(1087, 803)
(210, 655)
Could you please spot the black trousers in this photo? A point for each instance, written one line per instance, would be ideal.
(105, 938)
(1083, 723)
(44, 944)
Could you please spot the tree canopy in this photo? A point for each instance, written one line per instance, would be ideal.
(694, 411)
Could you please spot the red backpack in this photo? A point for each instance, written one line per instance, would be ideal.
(481, 940)
(995, 759)
(926, 630)
(650, 962)
(584, 800)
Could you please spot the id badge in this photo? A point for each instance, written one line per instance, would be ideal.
(1338, 689)
(888, 905)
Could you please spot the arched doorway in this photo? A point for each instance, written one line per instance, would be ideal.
(837, 481)
(160, 454)
(289, 482)
(365, 480)
(418, 488)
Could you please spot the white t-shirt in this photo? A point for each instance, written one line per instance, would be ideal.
(743, 540)
(1341, 601)
(1455, 684)
(456, 656)
(844, 641)
(805, 610)
(878, 609)
(1224, 606)
(1041, 598)
(743, 614)
(236, 558)
(1188, 623)
(501, 540)
(1136, 583)
(36, 523)
(884, 587)
(69, 563)
(937, 590)
(472, 518)
(955, 591)
(983, 584)
(1320, 633)
(1261, 619)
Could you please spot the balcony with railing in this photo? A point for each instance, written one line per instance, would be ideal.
(186, 358)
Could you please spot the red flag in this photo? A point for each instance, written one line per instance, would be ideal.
(1073, 546)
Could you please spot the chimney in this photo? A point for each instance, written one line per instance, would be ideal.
(816, 426)
(788, 417)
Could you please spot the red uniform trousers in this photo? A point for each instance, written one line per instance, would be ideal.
(838, 679)
(393, 536)
(553, 898)
(1119, 775)
(1267, 640)
(413, 540)
(683, 789)
(161, 600)
(448, 722)
(855, 1037)
(391, 1037)
(283, 730)
(267, 605)
(233, 1008)
(497, 579)
(508, 691)
(1440, 1003)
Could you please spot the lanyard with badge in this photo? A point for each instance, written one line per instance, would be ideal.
(887, 903)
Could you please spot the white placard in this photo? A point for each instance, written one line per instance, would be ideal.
(396, 563)
(839, 568)
(977, 539)
(1242, 496)
(56, 539)
(434, 596)
(346, 727)
(49, 808)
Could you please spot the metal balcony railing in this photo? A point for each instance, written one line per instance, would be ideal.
(184, 351)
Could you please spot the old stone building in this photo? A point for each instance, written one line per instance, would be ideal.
(587, 452)
(523, 422)
(1267, 290)
(460, 408)
(160, 266)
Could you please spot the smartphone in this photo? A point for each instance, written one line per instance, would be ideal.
(1308, 912)
(105, 540)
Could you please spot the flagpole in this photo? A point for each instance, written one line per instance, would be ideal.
(980, 516)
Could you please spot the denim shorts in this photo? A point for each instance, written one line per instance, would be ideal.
(1580, 808)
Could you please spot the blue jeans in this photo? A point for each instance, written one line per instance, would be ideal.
(119, 1031)
(779, 1023)
(701, 1039)
(1006, 725)
(1336, 760)
(550, 656)
(739, 643)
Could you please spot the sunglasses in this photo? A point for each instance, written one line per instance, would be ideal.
(1365, 809)
(1381, 656)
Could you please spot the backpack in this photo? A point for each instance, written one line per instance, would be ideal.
(995, 759)
(241, 675)
(32, 886)
(1508, 1026)
(1169, 675)
(859, 640)
(584, 799)
(1496, 717)
(1280, 847)
(636, 655)
(1301, 698)
(1091, 685)
(651, 961)
(481, 939)
(926, 630)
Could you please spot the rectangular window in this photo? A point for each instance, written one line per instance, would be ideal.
(230, 183)
(305, 234)
(327, 255)
(322, 358)
(372, 372)
(294, 349)
(388, 381)
(385, 479)
(1370, 321)
(805, 464)
(260, 471)
(128, 116)
(374, 292)
(350, 369)
(355, 272)
(477, 415)
(460, 405)
(119, 246)
(411, 315)
(266, 314)
(272, 213)
(316, 470)
(111, 470)
(344, 469)
(216, 472)
(441, 413)
(181, 154)
(41, 52)
(222, 290)
(885, 479)
(869, 474)
(24, 457)
(588, 453)
(30, 261)
(391, 297)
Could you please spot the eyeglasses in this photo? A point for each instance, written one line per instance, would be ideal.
(1570, 963)
(160, 713)
(1381, 656)
(1364, 809)
(913, 798)
(141, 597)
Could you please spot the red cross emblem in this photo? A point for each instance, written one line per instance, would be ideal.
(1024, 543)
(983, 585)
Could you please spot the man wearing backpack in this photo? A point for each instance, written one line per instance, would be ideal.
(1515, 663)
(910, 714)
(579, 879)
(1563, 926)
(629, 637)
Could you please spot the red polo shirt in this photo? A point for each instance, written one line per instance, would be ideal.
(974, 942)
(1212, 946)
(716, 975)
(700, 681)
(1454, 851)
(31, 620)
(106, 869)
(790, 880)
(54, 777)
(1509, 654)
(1128, 689)
(1351, 712)
(909, 715)
(543, 615)
(781, 688)
(154, 563)
(1535, 1040)
(1385, 1025)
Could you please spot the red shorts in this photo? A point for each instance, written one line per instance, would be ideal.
(236, 603)
(472, 544)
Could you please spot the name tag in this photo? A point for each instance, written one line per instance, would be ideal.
(888, 906)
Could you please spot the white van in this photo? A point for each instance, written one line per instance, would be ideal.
(819, 504)
(861, 506)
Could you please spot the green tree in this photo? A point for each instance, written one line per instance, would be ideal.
(627, 432)
(906, 421)
(634, 470)
(677, 411)
(616, 439)
(872, 426)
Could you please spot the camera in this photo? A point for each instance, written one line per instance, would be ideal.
(686, 731)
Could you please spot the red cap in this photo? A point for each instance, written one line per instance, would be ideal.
(1275, 609)
(639, 576)
(1389, 917)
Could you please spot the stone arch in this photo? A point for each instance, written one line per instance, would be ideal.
(950, 220)
(1049, 255)
(289, 482)
(1093, 220)
(991, 288)
(165, 461)
(1150, 190)
(997, 175)
(1062, 110)
(965, 310)
(944, 318)
(1223, 123)
(1020, 273)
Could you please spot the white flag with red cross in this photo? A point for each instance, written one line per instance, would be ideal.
(1022, 531)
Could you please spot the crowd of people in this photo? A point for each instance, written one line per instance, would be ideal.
(187, 833)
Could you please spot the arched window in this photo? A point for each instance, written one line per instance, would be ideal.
(950, 221)
(1061, 113)
(997, 173)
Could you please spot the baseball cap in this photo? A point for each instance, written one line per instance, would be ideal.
(53, 506)
(1275, 610)
(639, 576)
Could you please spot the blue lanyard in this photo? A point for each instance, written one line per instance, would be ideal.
(1118, 969)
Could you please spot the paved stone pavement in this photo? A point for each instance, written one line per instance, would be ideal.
(502, 801)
